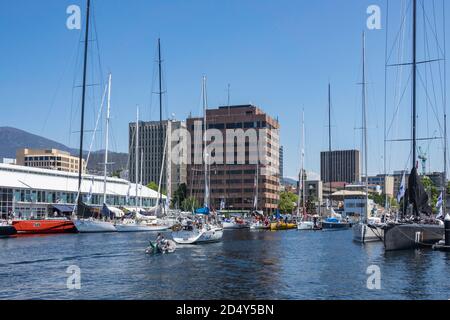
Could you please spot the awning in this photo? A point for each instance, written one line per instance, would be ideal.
(64, 208)
(203, 210)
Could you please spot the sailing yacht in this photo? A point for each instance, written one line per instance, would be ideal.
(415, 232)
(138, 223)
(303, 223)
(334, 221)
(204, 229)
(81, 223)
(368, 229)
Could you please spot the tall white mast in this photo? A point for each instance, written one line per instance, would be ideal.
(366, 207)
(140, 180)
(136, 171)
(107, 138)
(205, 106)
(303, 162)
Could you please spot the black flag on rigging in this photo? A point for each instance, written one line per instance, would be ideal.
(417, 194)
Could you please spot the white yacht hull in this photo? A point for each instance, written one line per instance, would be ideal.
(198, 236)
(259, 226)
(305, 225)
(133, 227)
(367, 233)
(233, 225)
(93, 226)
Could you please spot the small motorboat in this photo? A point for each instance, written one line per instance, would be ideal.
(235, 223)
(335, 224)
(305, 225)
(163, 247)
(260, 225)
(6, 230)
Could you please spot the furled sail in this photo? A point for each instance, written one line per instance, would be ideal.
(417, 194)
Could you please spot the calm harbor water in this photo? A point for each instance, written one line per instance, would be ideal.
(246, 265)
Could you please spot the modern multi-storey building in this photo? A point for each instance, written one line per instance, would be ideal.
(245, 132)
(386, 182)
(153, 151)
(340, 166)
(281, 153)
(48, 159)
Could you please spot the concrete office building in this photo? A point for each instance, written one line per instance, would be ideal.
(345, 166)
(234, 181)
(52, 159)
(152, 138)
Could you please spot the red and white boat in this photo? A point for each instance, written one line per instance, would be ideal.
(44, 226)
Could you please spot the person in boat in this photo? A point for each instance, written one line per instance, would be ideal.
(159, 238)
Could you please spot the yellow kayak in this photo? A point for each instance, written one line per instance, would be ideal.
(282, 226)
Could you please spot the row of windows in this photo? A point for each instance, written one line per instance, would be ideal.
(40, 196)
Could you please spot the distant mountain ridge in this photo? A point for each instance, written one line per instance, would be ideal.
(12, 139)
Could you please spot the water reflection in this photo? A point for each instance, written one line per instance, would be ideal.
(245, 265)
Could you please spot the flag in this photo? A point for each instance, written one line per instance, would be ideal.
(439, 201)
(401, 191)
(440, 214)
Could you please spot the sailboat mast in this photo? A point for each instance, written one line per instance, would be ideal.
(140, 180)
(329, 142)
(136, 152)
(83, 101)
(107, 138)
(161, 145)
(444, 191)
(414, 79)
(205, 103)
(303, 163)
(364, 107)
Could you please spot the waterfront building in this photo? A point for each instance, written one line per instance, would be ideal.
(386, 182)
(49, 159)
(345, 166)
(314, 191)
(152, 137)
(234, 181)
(281, 154)
(32, 191)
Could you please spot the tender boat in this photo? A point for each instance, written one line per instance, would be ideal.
(234, 223)
(167, 246)
(260, 225)
(44, 226)
(305, 225)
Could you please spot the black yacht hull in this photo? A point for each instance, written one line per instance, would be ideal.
(6, 231)
(411, 236)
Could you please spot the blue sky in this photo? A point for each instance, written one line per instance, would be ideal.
(278, 55)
